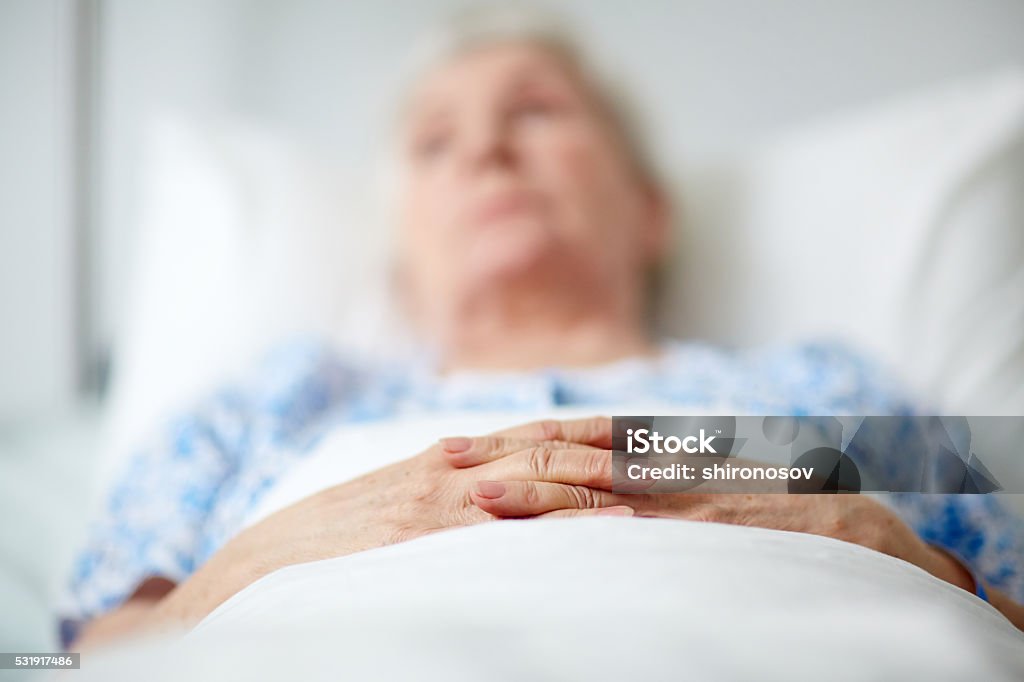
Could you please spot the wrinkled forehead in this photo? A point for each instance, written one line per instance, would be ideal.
(488, 72)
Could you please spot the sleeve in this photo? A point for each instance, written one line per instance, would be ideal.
(157, 516)
(979, 528)
(830, 378)
(895, 449)
(151, 522)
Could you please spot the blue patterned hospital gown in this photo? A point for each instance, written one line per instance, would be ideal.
(185, 493)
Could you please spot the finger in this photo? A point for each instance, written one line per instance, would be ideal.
(593, 468)
(530, 498)
(596, 431)
(464, 452)
(620, 510)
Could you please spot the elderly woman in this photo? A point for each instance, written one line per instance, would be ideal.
(530, 222)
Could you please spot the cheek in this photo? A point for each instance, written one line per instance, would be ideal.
(595, 198)
(430, 210)
(424, 221)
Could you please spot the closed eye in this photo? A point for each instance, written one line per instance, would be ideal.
(533, 108)
(430, 145)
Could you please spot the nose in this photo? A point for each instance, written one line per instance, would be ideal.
(488, 144)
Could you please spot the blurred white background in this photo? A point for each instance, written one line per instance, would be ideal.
(83, 80)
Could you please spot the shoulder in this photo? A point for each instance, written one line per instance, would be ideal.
(310, 367)
(285, 391)
(814, 377)
(834, 377)
(300, 379)
(298, 360)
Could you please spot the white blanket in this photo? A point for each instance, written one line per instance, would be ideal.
(597, 598)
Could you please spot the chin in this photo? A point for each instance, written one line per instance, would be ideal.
(510, 254)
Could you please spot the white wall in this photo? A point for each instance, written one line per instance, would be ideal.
(715, 73)
(37, 352)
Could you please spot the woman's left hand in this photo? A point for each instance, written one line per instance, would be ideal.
(851, 518)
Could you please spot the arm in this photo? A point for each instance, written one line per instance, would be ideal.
(156, 526)
(951, 570)
(975, 526)
(400, 502)
(851, 518)
(130, 617)
(982, 532)
(160, 603)
(1013, 611)
(149, 535)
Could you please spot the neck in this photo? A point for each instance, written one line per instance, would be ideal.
(529, 336)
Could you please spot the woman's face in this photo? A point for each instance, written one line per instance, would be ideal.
(515, 179)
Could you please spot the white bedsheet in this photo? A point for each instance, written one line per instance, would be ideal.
(598, 598)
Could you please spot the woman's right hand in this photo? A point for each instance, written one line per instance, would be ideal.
(399, 502)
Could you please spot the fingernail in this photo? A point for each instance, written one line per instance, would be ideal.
(615, 511)
(456, 444)
(490, 489)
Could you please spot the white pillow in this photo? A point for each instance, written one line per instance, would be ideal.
(243, 238)
(899, 228)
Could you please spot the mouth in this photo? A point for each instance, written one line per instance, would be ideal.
(502, 207)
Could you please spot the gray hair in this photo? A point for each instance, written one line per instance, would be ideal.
(478, 27)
